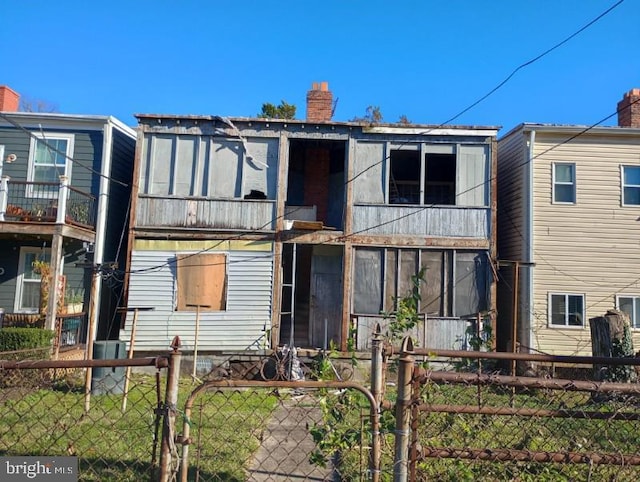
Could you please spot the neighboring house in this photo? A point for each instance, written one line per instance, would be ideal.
(569, 202)
(64, 196)
(257, 222)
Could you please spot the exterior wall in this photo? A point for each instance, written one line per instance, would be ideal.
(115, 242)
(513, 233)
(589, 248)
(76, 276)
(183, 194)
(244, 323)
(87, 152)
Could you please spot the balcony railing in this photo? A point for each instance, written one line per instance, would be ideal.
(45, 202)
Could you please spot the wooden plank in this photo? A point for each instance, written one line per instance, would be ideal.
(201, 280)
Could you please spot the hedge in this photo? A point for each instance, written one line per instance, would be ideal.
(14, 339)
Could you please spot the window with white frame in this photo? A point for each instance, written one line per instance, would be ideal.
(566, 309)
(631, 185)
(28, 281)
(630, 304)
(564, 183)
(49, 158)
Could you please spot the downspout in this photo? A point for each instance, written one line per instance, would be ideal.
(101, 222)
(529, 243)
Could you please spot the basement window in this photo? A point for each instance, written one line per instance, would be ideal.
(201, 281)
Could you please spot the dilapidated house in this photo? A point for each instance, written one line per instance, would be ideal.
(273, 231)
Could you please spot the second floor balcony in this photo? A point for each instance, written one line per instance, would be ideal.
(45, 203)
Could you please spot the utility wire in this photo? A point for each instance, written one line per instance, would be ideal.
(49, 146)
(344, 237)
(533, 60)
(501, 84)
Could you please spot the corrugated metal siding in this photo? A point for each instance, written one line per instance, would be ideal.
(205, 213)
(242, 325)
(422, 221)
(592, 247)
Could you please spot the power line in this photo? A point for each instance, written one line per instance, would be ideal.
(503, 82)
(343, 237)
(52, 148)
(533, 60)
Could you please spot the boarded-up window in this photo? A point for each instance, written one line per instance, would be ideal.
(367, 279)
(471, 283)
(202, 280)
(432, 291)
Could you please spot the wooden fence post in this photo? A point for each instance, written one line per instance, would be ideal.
(168, 444)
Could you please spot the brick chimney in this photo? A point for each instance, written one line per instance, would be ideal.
(9, 99)
(629, 109)
(319, 103)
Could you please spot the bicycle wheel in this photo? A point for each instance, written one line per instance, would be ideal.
(270, 369)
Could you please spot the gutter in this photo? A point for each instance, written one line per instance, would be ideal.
(101, 222)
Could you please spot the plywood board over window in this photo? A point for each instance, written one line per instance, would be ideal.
(201, 280)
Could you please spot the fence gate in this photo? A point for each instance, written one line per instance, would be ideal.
(262, 431)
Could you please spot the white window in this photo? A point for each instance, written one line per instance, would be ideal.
(566, 309)
(630, 304)
(564, 183)
(631, 185)
(49, 158)
(28, 282)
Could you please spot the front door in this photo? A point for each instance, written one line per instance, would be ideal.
(326, 296)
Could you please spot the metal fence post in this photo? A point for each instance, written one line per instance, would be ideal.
(403, 411)
(376, 365)
(377, 380)
(168, 445)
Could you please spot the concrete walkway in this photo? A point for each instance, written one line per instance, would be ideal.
(287, 444)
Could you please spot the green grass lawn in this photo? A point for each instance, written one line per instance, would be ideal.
(111, 445)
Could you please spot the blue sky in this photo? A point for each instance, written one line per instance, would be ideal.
(426, 59)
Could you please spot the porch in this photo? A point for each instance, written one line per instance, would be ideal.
(45, 202)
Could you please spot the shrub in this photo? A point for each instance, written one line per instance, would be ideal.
(15, 339)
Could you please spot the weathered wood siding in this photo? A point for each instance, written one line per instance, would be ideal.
(437, 333)
(205, 213)
(217, 171)
(198, 165)
(590, 248)
(369, 172)
(422, 220)
(241, 326)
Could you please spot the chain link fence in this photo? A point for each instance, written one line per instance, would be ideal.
(46, 410)
(429, 415)
(273, 431)
(464, 424)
